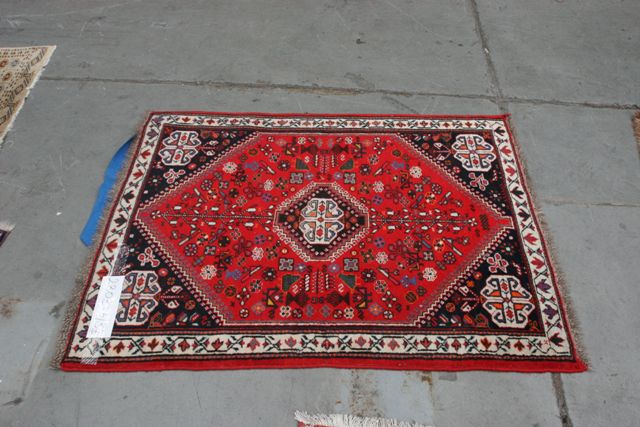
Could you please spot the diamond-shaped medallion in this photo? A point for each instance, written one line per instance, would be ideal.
(321, 222)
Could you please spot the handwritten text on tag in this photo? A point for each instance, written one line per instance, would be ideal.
(104, 313)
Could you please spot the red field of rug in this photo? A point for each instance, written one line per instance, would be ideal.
(286, 241)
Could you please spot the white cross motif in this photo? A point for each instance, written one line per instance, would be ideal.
(179, 148)
(473, 152)
(321, 221)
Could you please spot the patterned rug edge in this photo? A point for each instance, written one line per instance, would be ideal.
(574, 329)
(41, 67)
(79, 288)
(343, 420)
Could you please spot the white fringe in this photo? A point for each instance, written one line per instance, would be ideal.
(342, 420)
(6, 226)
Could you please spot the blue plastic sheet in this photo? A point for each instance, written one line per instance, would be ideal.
(110, 176)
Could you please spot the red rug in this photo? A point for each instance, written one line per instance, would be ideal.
(271, 241)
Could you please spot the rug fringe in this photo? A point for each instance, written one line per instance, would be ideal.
(345, 420)
(636, 128)
(6, 226)
(82, 277)
(573, 327)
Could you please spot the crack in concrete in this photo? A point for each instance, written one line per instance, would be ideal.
(561, 399)
(557, 202)
(28, 377)
(310, 89)
(586, 104)
(502, 105)
(400, 104)
(491, 68)
(343, 91)
(15, 402)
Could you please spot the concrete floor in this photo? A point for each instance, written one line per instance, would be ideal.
(568, 71)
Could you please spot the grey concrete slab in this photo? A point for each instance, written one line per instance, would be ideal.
(579, 155)
(493, 399)
(227, 398)
(23, 355)
(578, 50)
(597, 248)
(383, 44)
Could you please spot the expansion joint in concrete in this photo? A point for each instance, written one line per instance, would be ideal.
(340, 91)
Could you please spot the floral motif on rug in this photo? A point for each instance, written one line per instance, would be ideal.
(257, 240)
(20, 68)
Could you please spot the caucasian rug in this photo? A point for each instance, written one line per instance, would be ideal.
(244, 240)
(20, 68)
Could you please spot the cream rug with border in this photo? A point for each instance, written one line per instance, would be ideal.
(20, 68)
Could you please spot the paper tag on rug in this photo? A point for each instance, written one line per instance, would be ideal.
(104, 313)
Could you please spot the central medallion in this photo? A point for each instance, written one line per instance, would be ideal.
(321, 222)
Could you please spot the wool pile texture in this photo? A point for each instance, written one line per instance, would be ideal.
(251, 240)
